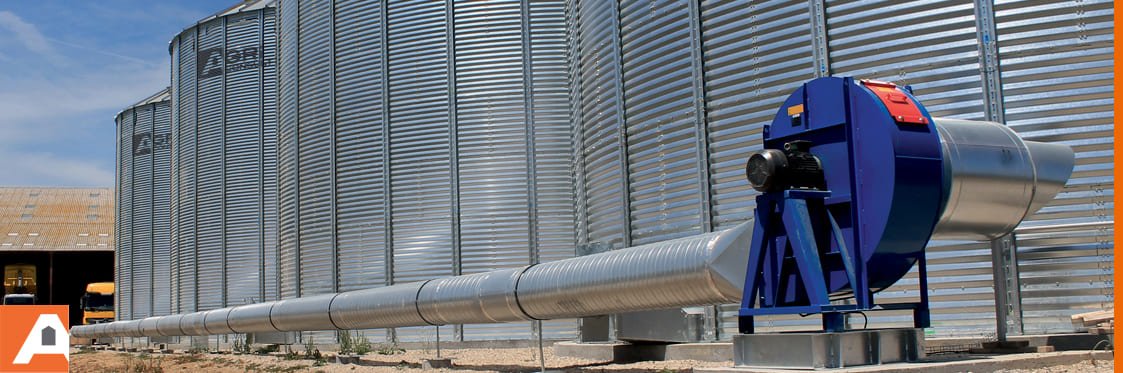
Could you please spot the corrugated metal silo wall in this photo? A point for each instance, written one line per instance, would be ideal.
(224, 165)
(671, 97)
(422, 139)
(143, 191)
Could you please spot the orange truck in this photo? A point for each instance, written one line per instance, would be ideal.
(97, 303)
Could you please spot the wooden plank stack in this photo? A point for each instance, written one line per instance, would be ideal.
(1097, 322)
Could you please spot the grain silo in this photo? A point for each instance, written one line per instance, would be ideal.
(142, 221)
(670, 98)
(223, 166)
(422, 139)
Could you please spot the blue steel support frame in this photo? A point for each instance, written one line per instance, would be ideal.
(794, 236)
(883, 172)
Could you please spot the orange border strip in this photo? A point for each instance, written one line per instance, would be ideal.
(1118, 133)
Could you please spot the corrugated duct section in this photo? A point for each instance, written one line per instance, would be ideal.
(224, 169)
(671, 96)
(418, 140)
(143, 192)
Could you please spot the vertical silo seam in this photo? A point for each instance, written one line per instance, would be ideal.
(454, 155)
(528, 100)
(333, 225)
(296, 162)
(387, 202)
(454, 150)
(222, 141)
(173, 177)
(287, 160)
(531, 159)
(625, 185)
(577, 136)
(703, 136)
(261, 158)
(132, 230)
(151, 222)
(195, 173)
(118, 218)
(387, 194)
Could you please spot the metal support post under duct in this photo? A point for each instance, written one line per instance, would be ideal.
(593, 328)
(1007, 287)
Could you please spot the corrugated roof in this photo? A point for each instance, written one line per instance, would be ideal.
(56, 219)
(162, 96)
(240, 7)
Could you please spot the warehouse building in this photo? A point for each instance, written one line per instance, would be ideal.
(55, 241)
(409, 140)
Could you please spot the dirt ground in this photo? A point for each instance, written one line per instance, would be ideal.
(1087, 366)
(465, 361)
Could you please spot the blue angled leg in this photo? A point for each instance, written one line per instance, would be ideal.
(797, 221)
(752, 274)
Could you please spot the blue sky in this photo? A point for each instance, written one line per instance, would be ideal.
(66, 68)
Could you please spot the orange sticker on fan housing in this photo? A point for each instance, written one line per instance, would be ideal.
(901, 107)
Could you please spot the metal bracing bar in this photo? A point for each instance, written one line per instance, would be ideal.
(987, 38)
(1007, 287)
(820, 51)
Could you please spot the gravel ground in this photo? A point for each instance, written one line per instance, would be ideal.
(464, 361)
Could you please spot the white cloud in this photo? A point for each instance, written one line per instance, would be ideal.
(60, 87)
(62, 97)
(28, 35)
(45, 168)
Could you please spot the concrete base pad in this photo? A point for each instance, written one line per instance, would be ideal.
(616, 352)
(718, 351)
(436, 363)
(1059, 342)
(623, 352)
(348, 359)
(816, 350)
(968, 363)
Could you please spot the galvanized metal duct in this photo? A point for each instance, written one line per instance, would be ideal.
(995, 179)
(704, 269)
